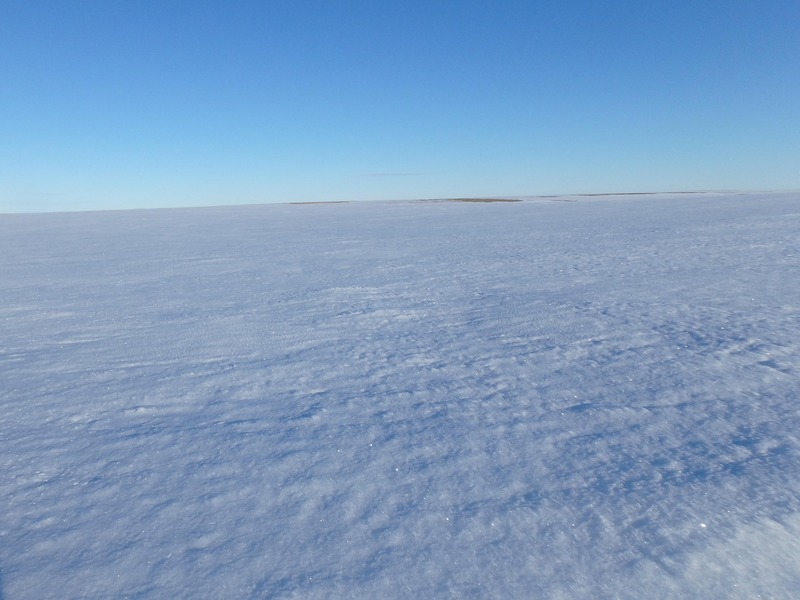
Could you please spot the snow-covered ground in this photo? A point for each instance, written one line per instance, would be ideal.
(592, 398)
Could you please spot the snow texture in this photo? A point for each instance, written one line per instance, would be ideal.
(587, 398)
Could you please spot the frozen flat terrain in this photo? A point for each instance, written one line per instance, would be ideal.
(597, 398)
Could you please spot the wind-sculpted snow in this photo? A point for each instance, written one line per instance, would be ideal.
(589, 399)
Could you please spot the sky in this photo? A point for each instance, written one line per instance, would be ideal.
(110, 105)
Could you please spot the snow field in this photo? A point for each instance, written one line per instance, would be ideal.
(579, 399)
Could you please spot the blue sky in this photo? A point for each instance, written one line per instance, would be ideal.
(110, 104)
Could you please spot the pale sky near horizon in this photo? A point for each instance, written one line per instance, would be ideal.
(111, 104)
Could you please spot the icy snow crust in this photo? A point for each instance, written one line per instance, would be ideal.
(596, 398)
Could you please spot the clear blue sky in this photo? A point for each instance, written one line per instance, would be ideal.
(111, 104)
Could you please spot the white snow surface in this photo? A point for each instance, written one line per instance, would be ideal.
(591, 398)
